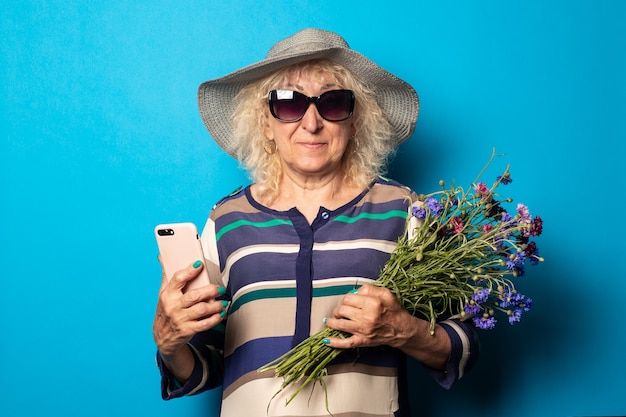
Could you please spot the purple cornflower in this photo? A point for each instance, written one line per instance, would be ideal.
(419, 212)
(527, 304)
(514, 316)
(518, 271)
(515, 263)
(471, 308)
(506, 217)
(485, 323)
(511, 299)
(481, 295)
(434, 206)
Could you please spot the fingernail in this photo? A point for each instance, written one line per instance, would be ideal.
(222, 313)
(221, 290)
(324, 321)
(197, 264)
(326, 341)
(354, 291)
(225, 303)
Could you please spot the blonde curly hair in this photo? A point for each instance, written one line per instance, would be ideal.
(365, 157)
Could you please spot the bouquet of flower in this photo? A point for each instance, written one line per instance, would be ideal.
(458, 258)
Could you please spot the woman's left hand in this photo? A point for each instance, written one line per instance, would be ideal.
(373, 316)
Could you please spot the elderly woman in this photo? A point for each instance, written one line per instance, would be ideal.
(314, 124)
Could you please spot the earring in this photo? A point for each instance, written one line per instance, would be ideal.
(269, 147)
(355, 140)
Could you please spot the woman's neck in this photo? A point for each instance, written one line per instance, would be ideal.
(310, 193)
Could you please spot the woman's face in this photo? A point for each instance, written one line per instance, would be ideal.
(312, 146)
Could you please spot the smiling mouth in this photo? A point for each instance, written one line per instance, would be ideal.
(313, 145)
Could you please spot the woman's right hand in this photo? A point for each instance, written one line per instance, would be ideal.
(179, 316)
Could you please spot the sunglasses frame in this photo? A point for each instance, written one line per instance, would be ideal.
(315, 100)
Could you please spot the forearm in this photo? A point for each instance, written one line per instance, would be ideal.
(180, 363)
(416, 341)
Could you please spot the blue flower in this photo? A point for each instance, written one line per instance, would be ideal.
(515, 262)
(516, 297)
(534, 261)
(434, 206)
(481, 295)
(504, 179)
(506, 217)
(515, 316)
(418, 212)
(515, 300)
(485, 323)
(471, 308)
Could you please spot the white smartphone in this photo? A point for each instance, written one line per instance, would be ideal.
(179, 246)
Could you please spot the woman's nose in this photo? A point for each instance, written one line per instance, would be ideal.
(311, 121)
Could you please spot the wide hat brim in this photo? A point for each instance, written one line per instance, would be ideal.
(397, 99)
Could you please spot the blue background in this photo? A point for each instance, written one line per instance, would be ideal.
(101, 140)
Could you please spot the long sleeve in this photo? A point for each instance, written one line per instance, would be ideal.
(208, 370)
(464, 352)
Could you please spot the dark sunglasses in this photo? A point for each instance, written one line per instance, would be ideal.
(290, 106)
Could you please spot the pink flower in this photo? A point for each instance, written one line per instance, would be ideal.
(522, 210)
(481, 189)
(457, 225)
(525, 220)
(487, 228)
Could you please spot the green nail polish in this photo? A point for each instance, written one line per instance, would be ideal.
(325, 341)
(324, 320)
(354, 291)
(197, 264)
(222, 313)
(224, 303)
(221, 290)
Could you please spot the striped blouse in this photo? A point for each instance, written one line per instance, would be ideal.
(283, 276)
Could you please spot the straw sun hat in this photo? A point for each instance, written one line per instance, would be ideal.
(397, 99)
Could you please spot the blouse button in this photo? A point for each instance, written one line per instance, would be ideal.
(325, 215)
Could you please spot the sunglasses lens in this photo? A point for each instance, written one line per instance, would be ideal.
(287, 105)
(336, 105)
